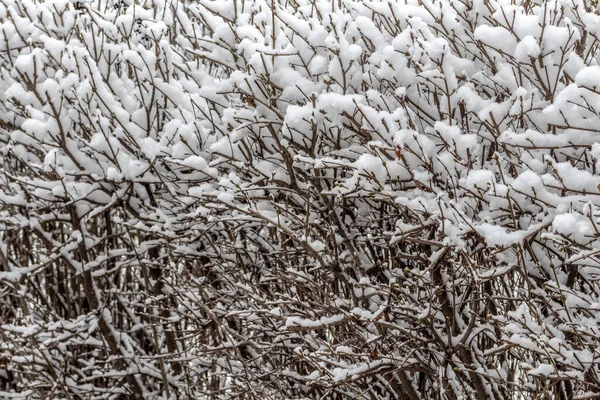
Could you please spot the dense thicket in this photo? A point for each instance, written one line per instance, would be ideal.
(299, 199)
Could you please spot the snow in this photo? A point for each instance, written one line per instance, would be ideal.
(499, 236)
(313, 324)
(526, 49)
(355, 371)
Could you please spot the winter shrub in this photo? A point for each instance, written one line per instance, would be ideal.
(299, 199)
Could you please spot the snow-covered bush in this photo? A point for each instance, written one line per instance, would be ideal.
(299, 199)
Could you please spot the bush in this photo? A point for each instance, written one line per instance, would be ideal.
(299, 199)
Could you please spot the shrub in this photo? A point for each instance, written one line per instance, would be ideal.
(299, 199)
